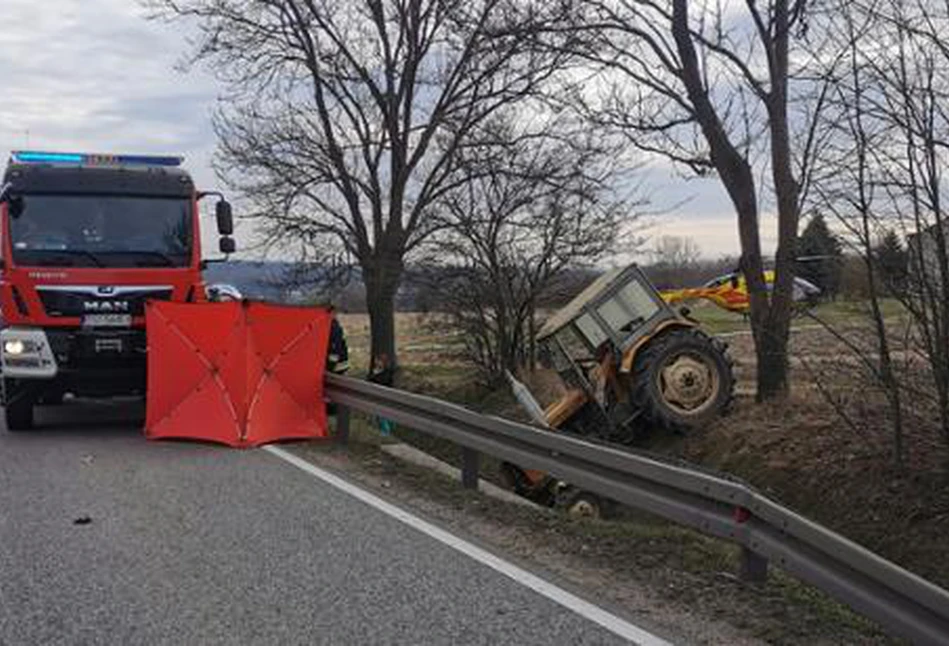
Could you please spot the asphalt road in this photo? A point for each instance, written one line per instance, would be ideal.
(196, 544)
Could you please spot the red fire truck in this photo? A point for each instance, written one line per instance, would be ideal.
(85, 241)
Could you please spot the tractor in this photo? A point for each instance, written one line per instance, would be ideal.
(628, 363)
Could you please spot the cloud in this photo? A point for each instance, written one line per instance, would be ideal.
(716, 236)
(96, 75)
(698, 208)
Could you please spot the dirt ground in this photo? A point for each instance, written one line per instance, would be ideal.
(842, 477)
(828, 451)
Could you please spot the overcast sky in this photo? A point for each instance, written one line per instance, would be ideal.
(94, 75)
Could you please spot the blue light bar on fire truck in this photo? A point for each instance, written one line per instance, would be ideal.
(91, 159)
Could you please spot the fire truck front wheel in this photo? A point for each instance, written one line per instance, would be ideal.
(18, 401)
(19, 415)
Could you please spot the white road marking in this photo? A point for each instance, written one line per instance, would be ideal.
(558, 595)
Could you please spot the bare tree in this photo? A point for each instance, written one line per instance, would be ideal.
(847, 184)
(527, 214)
(675, 253)
(914, 85)
(708, 86)
(881, 170)
(344, 121)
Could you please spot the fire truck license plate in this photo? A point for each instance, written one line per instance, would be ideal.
(107, 320)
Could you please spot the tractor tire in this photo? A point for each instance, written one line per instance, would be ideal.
(683, 380)
(18, 415)
(582, 504)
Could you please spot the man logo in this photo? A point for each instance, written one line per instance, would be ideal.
(106, 307)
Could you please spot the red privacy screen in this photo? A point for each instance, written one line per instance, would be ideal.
(238, 373)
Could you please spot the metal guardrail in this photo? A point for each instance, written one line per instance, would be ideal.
(905, 604)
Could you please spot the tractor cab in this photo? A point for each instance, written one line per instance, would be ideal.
(627, 361)
(625, 355)
(616, 311)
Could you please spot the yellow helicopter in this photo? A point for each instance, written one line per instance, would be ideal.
(730, 292)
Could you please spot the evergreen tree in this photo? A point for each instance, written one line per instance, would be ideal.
(820, 256)
(891, 258)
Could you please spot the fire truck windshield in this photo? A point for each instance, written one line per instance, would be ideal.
(101, 231)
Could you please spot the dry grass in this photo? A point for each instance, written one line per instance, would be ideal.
(800, 451)
(828, 451)
(424, 341)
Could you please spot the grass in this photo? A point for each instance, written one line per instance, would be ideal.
(800, 453)
(850, 311)
(836, 313)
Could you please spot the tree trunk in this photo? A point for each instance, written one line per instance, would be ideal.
(773, 337)
(773, 357)
(887, 375)
(532, 331)
(771, 348)
(769, 327)
(382, 275)
(381, 325)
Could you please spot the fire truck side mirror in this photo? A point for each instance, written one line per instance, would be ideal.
(227, 245)
(14, 202)
(225, 218)
(15, 206)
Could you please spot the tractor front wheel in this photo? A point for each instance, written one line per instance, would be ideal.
(582, 504)
(682, 379)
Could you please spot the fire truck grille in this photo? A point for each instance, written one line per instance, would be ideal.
(82, 300)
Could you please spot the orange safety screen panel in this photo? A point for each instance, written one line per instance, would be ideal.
(238, 373)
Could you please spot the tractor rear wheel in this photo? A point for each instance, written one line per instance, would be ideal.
(682, 379)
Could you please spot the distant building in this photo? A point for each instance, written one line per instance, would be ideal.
(929, 253)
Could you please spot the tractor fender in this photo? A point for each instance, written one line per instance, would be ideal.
(564, 408)
(629, 357)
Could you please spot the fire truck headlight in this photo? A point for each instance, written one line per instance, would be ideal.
(25, 353)
(14, 347)
(18, 347)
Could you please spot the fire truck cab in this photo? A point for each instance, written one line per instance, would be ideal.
(85, 241)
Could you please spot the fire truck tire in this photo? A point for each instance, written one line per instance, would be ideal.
(18, 415)
(683, 380)
(52, 398)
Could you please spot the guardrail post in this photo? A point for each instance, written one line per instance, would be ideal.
(342, 425)
(752, 567)
(470, 465)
